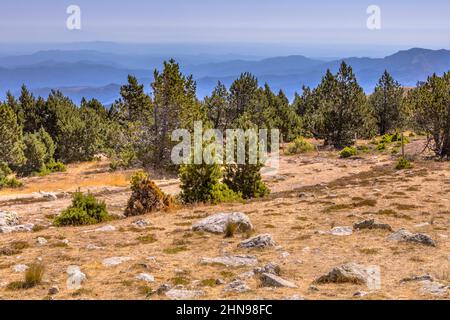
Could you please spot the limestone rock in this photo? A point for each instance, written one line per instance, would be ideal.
(50, 196)
(271, 280)
(271, 268)
(8, 219)
(181, 294)
(371, 224)
(17, 228)
(76, 278)
(238, 286)
(350, 272)
(341, 231)
(19, 268)
(41, 241)
(231, 261)
(145, 277)
(218, 222)
(406, 236)
(115, 261)
(259, 241)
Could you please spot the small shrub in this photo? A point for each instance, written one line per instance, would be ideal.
(146, 196)
(299, 145)
(85, 210)
(403, 164)
(363, 148)
(347, 152)
(54, 166)
(7, 181)
(381, 146)
(33, 277)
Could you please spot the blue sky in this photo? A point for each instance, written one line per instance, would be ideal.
(405, 23)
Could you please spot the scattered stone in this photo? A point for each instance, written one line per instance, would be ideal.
(50, 196)
(53, 290)
(405, 235)
(341, 231)
(246, 275)
(295, 297)
(107, 228)
(271, 280)
(360, 294)
(285, 255)
(19, 268)
(350, 272)
(238, 286)
(145, 277)
(115, 261)
(425, 277)
(435, 288)
(41, 241)
(217, 223)
(181, 294)
(371, 224)
(231, 261)
(271, 268)
(8, 219)
(17, 228)
(140, 224)
(259, 241)
(421, 225)
(163, 288)
(313, 288)
(93, 247)
(303, 195)
(76, 278)
(220, 281)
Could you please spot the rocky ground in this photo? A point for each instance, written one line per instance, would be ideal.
(332, 229)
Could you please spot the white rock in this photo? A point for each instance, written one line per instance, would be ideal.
(93, 247)
(17, 228)
(271, 280)
(145, 277)
(48, 195)
(115, 261)
(231, 261)
(107, 228)
(181, 294)
(341, 231)
(19, 268)
(41, 241)
(217, 223)
(76, 278)
(259, 241)
(238, 286)
(8, 219)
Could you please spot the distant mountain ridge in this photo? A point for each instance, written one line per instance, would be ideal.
(98, 73)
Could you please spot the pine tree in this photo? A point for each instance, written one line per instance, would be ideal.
(430, 107)
(218, 107)
(386, 103)
(342, 108)
(136, 103)
(11, 139)
(175, 107)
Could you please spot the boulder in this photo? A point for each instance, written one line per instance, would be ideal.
(406, 236)
(271, 280)
(350, 272)
(41, 241)
(271, 268)
(145, 277)
(76, 278)
(28, 227)
(217, 223)
(8, 219)
(19, 268)
(50, 196)
(371, 224)
(238, 286)
(232, 261)
(259, 241)
(182, 294)
(115, 261)
(341, 231)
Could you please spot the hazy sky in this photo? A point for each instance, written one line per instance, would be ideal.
(404, 23)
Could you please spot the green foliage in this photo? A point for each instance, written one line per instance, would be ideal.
(299, 145)
(201, 183)
(386, 104)
(11, 143)
(6, 181)
(347, 152)
(85, 210)
(146, 196)
(429, 105)
(403, 164)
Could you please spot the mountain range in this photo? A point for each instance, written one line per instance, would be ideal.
(89, 73)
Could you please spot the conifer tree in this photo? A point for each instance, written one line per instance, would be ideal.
(11, 139)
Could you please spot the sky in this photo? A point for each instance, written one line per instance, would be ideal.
(325, 24)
